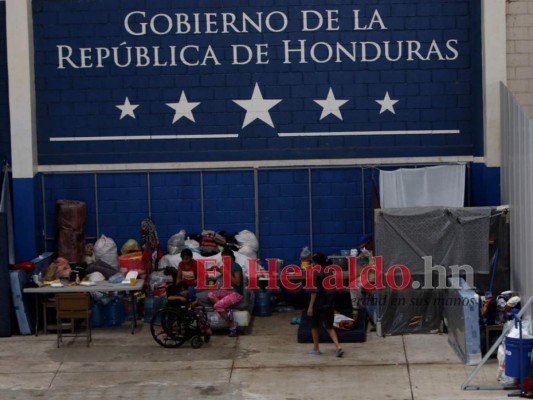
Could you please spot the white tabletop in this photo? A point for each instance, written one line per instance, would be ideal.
(103, 286)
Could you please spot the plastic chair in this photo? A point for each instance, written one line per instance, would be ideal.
(73, 306)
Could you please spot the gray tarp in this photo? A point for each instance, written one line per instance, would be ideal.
(451, 236)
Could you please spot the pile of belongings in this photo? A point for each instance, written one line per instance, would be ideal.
(210, 242)
(500, 309)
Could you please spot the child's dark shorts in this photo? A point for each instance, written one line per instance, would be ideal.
(323, 316)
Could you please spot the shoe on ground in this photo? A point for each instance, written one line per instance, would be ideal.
(339, 353)
(314, 352)
(233, 332)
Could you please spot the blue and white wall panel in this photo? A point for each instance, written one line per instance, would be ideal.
(138, 102)
(161, 81)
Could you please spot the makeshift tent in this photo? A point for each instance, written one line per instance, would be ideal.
(421, 239)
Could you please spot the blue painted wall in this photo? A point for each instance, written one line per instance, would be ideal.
(176, 202)
(342, 208)
(284, 213)
(229, 202)
(117, 203)
(79, 95)
(328, 208)
(485, 185)
(5, 139)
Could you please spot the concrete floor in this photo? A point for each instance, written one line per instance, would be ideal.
(266, 363)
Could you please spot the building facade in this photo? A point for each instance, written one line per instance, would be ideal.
(271, 116)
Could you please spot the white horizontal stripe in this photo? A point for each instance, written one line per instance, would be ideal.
(96, 138)
(253, 164)
(141, 137)
(207, 136)
(366, 133)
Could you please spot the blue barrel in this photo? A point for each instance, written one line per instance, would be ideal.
(262, 304)
(148, 309)
(114, 312)
(97, 314)
(151, 306)
(512, 356)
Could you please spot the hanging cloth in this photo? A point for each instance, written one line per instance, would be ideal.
(152, 251)
(442, 186)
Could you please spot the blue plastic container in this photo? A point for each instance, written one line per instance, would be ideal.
(263, 306)
(114, 312)
(97, 314)
(151, 306)
(512, 356)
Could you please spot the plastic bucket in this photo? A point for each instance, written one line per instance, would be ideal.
(512, 356)
(262, 304)
(132, 262)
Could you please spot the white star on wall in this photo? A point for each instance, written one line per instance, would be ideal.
(387, 104)
(127, 109)
(257, 108)
(331, 105)
(183, 108)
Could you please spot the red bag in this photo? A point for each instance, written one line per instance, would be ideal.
(208, 241)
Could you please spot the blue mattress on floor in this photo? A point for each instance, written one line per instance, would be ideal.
(352, 336)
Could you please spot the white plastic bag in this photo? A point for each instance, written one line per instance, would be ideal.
(502, 378)
(526, 329)
(105, 249)
(191, 243)
(176, 242)
(501, 362)
(244, 261)
(305, 254)
(247, 238)
(247, 251)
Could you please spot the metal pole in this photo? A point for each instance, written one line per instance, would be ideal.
(96, 205)
(521, 354)
(44, 216)
(363, 197)
(506, 329)
(310, 194)
(256, 205)
(149, 194)
(202, 216)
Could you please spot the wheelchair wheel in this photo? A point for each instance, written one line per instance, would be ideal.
(196, 342)
(169, 328)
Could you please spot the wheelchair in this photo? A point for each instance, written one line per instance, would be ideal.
(171, 327)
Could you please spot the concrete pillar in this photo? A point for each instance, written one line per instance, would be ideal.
(19, 30)
(494, 48)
